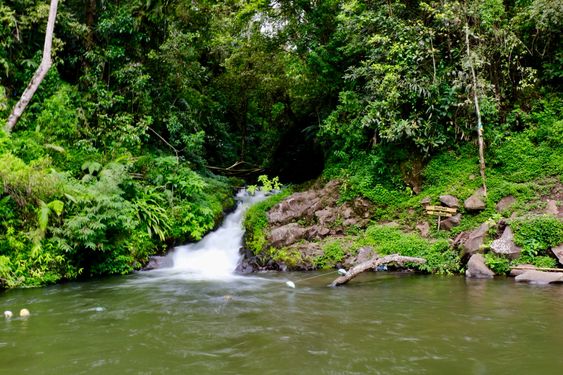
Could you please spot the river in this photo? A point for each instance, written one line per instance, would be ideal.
(182, 320)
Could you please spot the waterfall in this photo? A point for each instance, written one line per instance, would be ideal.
(217, 255)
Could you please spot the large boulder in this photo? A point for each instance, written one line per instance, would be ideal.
(505, 245)
(472, 242)
(476, 268)
(558, 252)
(303, 218)
(539, 277)
(449, 200)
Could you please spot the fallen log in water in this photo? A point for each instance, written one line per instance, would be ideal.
(373, 263)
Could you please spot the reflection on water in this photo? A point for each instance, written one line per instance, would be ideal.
(165, 322)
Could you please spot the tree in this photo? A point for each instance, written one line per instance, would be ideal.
(40, 73)
(477, 112)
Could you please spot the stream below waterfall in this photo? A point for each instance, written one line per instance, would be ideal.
(197, 317)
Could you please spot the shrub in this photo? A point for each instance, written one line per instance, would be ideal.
(537, 234)
(256, 221)
(333, 253)
(499, 265)
(386, 240)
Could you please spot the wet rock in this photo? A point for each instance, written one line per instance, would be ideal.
(476, 268)
(558, 252)
(505, 203)
(472, 242)
(521, 269)
(286, 235)
(551, 207)
(449, 200)
(450, 222)
(424, 228)
(505, 245)
(539, 277)
(157, 262)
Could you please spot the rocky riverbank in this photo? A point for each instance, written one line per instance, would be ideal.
(315, 229)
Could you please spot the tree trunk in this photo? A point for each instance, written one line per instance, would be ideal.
(372, 263)
(40, 73)
(90, 18)
(478, 113)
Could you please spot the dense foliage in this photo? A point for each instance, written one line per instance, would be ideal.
(109, 163)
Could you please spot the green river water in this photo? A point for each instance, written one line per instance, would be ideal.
(162, 322)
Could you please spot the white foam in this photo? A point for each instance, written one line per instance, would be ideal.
(216, 256)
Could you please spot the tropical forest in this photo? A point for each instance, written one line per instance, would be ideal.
(230, 165)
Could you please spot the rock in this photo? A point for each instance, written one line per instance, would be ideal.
(449, 200)
(558, 252)
(474, 203)
(450, 222)
(472, 241)
(476, 268)
(505, 203)
(157, 262)
(551, 207)
(305, 217)
(426, 201)
(505, 245)
(539, 277)
(364, 254)
(516, 271)
(286, 235)
(293, 208)
(424, 228)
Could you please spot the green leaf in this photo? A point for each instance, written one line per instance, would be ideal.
(56, 206)
(43, 216)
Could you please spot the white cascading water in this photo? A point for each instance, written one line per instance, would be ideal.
(217, 255)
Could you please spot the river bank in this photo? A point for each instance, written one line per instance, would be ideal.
(319, 228)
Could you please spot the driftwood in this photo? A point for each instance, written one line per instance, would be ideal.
(373, 263)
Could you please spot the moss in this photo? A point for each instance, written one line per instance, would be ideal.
(292, 258)
(256, 221)
(333, 253)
